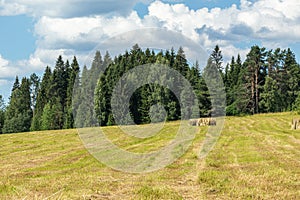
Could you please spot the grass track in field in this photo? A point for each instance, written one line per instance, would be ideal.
(256, 157)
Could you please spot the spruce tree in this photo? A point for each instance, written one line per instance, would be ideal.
(43, 97)
(180, 63)
(269, 96)
(19, 113)
(296, 106)
(2, 113)
(292, 77)
(73, 82)
(217, 58)
(16, 84)
(59, 92)
(47, 122)
(34, 88)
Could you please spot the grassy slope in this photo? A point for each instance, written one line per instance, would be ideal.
(257, 157)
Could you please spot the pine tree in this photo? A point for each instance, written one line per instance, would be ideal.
(88, 103)
(214, 81)
(19, 113)
(73, 82)
(96, 69)
(237, 70)
(255, 64)
(16, 84)
(34, 88)
(59, 92)
(47, 122)
(101, 101)
(43, 97)
(2, 113)
(217, 58)
(296, 106)
(180, 63)
(292, 77)
(269, 96)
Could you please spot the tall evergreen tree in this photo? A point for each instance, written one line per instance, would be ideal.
(85, 114)
(43, 97)
(19, 113)
(269, 96)
(180, 63)
(214, 81)
(292, 70)
(59, 92)
(16, 84)
(73, 82)
(217, 58)
(2, 113)
(255, 64)
(296, 106)
(47, 117)
(34, 88)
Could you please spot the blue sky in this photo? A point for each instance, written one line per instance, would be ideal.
(17, 37)
(33, 33)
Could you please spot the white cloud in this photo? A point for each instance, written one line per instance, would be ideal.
(71, 28)
(36, 63)
(3, 82)
(66, 8)
(3, 62)
(6, 70)
(5, 88)
(269, 21)
(11, 9)
(84, 34)
(78, 32)
(229, 50)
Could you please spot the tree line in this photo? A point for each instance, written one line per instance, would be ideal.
(267, 81)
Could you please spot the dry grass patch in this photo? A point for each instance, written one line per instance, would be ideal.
(256, 157)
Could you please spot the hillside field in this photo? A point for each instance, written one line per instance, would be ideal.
(256, 157)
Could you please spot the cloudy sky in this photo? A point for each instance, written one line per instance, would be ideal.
(34, 32)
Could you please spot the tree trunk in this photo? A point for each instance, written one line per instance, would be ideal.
(253, 93)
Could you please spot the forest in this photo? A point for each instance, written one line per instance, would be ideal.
(66, 97)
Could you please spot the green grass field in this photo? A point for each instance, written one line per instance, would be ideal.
(256, 157)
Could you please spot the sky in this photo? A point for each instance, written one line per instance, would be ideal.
(34, 33)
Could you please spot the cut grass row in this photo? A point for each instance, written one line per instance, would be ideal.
(256, 157)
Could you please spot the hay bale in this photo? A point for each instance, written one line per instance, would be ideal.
(203, 122)
(212, 122)
(193, 122)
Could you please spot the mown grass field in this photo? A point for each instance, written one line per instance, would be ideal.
(256, 157)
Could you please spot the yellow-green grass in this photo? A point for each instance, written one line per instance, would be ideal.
(256, 157)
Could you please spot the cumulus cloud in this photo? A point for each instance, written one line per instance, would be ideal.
(250, 20)
(3, 62)
(5, 88)
(75, 32)
(268, 21)
(71, 28)
(8, 9)
(3, 82)
(6, 70)
(115, 34)
(264, 20)
(35, 64)
(66, 8)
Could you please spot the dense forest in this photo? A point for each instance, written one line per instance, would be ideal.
(267, 81)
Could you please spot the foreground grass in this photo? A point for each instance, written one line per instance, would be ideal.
(256, 157)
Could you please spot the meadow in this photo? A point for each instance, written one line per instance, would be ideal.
(256, 157)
